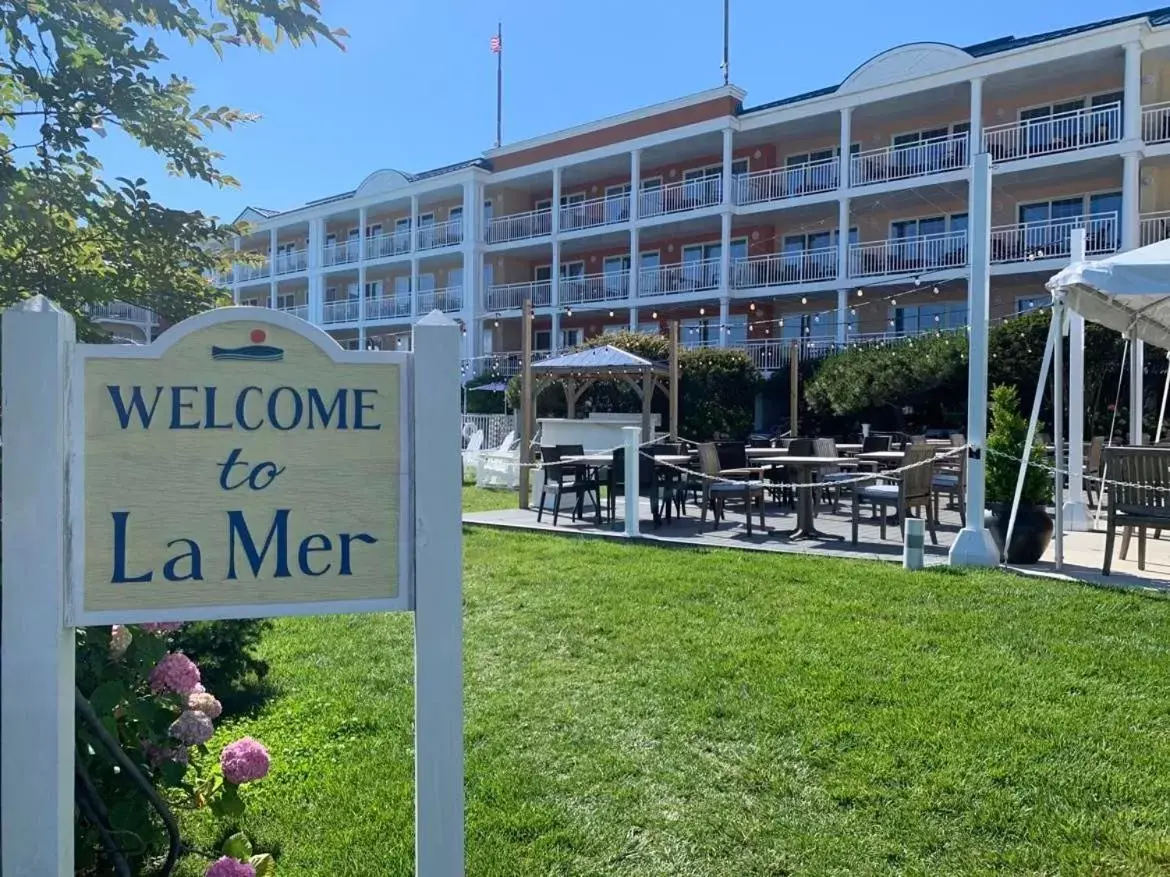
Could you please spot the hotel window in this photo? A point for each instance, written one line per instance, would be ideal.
(914, 319)
(569, 338)
(1031, 303)
(250, 302)
(402, 285)
(286, 300)
(543, 273)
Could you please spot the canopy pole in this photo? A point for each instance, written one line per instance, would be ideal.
(1057, 426)
(973, 546)
(1041, 382)
(1162, 410)
(526, 401)
(1112, 431)
(1137, 361)
(1076, 513)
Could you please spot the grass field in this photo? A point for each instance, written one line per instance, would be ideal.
(644, 711)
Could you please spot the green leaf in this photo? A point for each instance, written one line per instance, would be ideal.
(106, 696)
(238, 846)
(229, 802)
(264, 864)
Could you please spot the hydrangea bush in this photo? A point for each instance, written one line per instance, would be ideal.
(151, 699)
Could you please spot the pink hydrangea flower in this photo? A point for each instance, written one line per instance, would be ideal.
(119, 641)
(162, 626)
(229, 867)
(203, 702)
(175, 672)
(192, 728)
(243, 761)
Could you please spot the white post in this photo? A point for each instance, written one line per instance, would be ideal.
(272, 244)
(438, 600)
(842, 315)
(1131, 103)
(724, 286)
(1057, 427)
(974, 546)
(1130, 219)
(1137, 367)
(845, 161)
(975, 136)
(635, 236)
(361, 243)
(36, 648)
(724, 322)
(554, 336)
(914, 546)
(843, 241)
(633, 438)
(1076, 515)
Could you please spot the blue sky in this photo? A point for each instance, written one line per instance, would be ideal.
(416, 87)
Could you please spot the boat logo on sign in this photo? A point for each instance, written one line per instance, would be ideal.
(257, 351)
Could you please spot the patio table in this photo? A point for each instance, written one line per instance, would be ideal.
(605, 458)
(805, 523)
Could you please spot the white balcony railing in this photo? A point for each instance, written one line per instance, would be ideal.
(511, 296)
(388, 307)
(930, 252)
(936, 156)
(519, 226)
(777, 184)
(343, 252)
(680, 197)
(611, 286)
(291, 261)
(781, 269)
(446, 300)
(1156, 123)
(340, 311)
(122, 312)
(441, 234)
(1154, 227)
(607, 210)
(1051, 238)
(387, 244)
(677, 279)
(1062, 132)
(301, 311)
(247, 273)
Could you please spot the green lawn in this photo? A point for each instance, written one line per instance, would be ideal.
(642, 711)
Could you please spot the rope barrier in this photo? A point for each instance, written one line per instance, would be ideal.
(1101, 479)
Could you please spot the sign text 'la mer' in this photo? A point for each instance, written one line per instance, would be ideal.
(248, 410)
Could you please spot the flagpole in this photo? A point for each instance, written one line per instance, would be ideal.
(500, 84)
(726, 41)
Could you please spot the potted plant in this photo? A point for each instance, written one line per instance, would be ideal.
(1005, 446)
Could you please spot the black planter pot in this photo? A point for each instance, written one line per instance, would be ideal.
(1031, 536)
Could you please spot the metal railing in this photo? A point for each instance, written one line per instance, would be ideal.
(780, 269)
(607, 210)
(440, 234)
(611, 286)
(777, 184)
(1154, 227)
(511, 296)
(246, 273)
(889, 163)
(301, 311)
(1061, 132)
(343, 252)
(519, 226)
(908, 255)
(679, 278)
(1156, 123)
(1051, 238)
(122, 312)
(387, 244)
(341, 311)
(388, 307)
(680, 197)
(447, 300)
(291, 261)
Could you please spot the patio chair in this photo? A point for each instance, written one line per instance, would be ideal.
(828, 475)
(716, 493)
(616, 481)
(950, 479)
(1093, 468)
(912, 490)
(561, 478)
(797, 447)
(472, 451)
(1139, 496)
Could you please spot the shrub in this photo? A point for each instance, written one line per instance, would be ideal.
(1005, 449)
(224, 651)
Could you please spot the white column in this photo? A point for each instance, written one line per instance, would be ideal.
(1131, 104)
(974, 546)
(724, 320)
(975, 138)
(438, 601)
(635, 262)
(236, 271)
(272, 268)
(1137, 365)
(844, 146)
(635, 235)
(316, 243)
(842, 238)
(361, 278)
(725, 255)
(1076, 516)
(728, 152)
(635, 183)
(632, 438)
(36, 648)
(633, 319)
(316, 295)
(471, 221)
(842, 314)
(554, 341)
(1130, 201)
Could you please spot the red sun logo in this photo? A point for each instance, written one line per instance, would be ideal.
(258, 336)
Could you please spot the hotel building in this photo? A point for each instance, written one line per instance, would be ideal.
(833, 217)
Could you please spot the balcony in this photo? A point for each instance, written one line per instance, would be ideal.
(680, 197)
(391, 243)
(1051, 238)
(388, 307)
(519, 226)
(340, 311)
(448, 300)
(1154, 227)
(342, 252)
(778, 184)
(301, 311)
(930, 252)
(511, 296)
(784, 269)
(1156, 123)
(121, 312)
(678, 279)
(607, 210)
(248, 273)
(439, 235)
(593, 288)
(292, 261)
(938, 156)
(1050, 135)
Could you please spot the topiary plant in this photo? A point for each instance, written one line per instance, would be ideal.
(1005, 449)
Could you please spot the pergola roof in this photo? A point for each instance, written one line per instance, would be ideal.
(598, 362)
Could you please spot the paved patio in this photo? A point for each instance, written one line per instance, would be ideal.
(1084, 552)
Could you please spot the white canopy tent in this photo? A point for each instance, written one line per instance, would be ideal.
(1128, 292)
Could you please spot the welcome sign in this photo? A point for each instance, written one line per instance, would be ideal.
(243, 465)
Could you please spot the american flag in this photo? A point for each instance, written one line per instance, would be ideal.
(496, 44)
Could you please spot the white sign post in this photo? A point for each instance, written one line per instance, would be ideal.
(243, 465)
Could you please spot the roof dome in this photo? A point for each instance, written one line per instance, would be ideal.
(386, 180)
(905, 62)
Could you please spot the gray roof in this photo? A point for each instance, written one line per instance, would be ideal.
(411, 178)
(598, 361)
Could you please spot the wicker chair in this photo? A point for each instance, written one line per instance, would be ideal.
(912, 490)
(1139, 496)
(1093, 469)
(716, 493)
